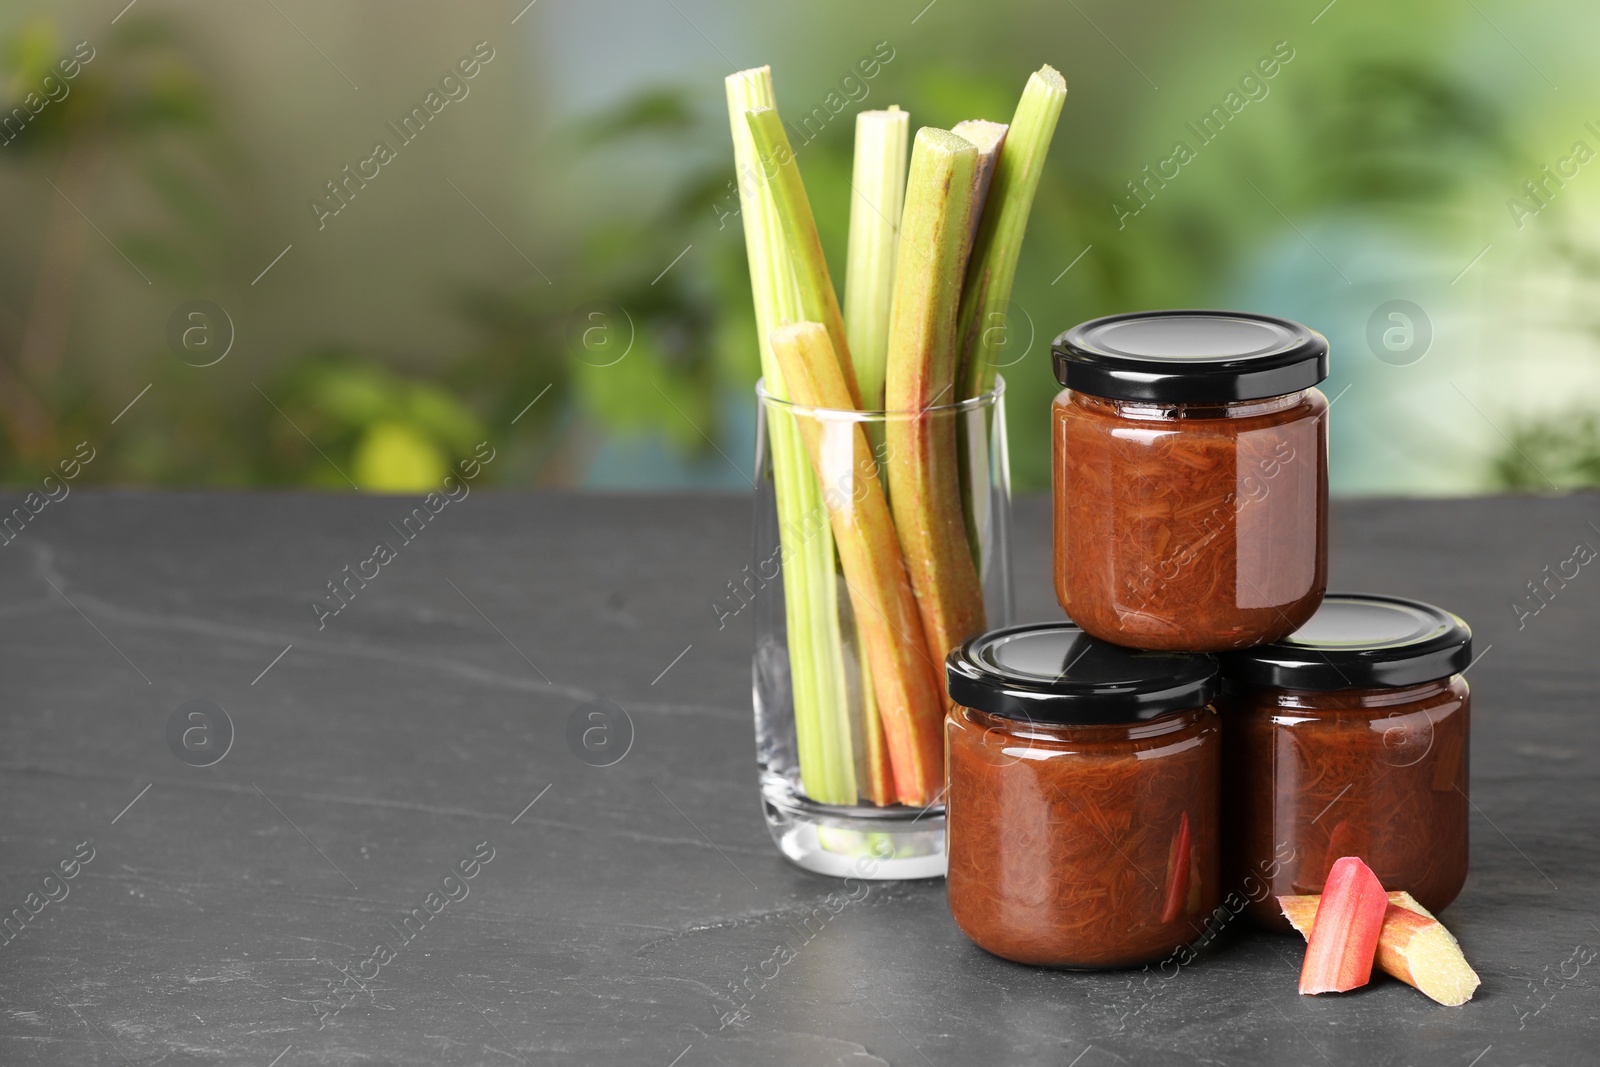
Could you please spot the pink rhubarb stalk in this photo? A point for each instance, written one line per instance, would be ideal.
(1344, 940)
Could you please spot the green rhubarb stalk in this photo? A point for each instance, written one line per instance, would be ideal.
(818, 301)
(816, 660)
(993, 265)
(910, 696)
(922, 461)
(972, 441)
(877, 194)
(878, 190)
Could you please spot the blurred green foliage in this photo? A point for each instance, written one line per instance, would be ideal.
(1542, 457)
(143, 101)
(1369, 135)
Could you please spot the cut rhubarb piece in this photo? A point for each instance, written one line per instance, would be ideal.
(1197, 886)
(1344, 936)
(909, 693)
(1417, 949)
(1413, 947)
(1177, 872)
(923, 461)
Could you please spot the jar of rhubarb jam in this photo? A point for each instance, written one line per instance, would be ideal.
(1083, 802)
(1191, 478)
(1349, 738)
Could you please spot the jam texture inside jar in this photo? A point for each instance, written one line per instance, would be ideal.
(1083, 798)
(1350, 738)
(1190, 478)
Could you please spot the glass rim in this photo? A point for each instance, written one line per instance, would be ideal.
(977, 403)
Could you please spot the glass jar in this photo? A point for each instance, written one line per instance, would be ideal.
(1350, 738)
(1191, 478)
(1082, 805)
(833, 746)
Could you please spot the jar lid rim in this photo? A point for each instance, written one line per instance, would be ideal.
(1054, 672)
(1190, 356)
(1360, 641)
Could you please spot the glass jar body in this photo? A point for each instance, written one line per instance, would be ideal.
(1191, 527)
(1083, 846)
(1375, 773)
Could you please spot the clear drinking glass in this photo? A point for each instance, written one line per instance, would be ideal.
(817, 762)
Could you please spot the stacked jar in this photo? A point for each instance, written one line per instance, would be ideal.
(1191, 554)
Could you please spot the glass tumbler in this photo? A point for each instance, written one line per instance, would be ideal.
(848, 681)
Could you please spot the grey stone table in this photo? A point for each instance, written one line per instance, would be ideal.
(631, 914)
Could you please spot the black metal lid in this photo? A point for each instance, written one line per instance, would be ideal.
(1053, 672)
(1359, 641)
(1190, 356)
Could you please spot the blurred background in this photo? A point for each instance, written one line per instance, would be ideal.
(196, 279)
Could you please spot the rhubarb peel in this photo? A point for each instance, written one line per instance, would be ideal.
(1177, 896)
(1344, 935)
(1413, 946)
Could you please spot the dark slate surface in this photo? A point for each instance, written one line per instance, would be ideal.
(621, 910)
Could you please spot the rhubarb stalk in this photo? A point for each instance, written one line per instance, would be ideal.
(1413, 946)
(986, 137)
(818, 301)
(993, 266)
(823, 732)
(874, 765)
(877, 193)
(923, 464)
(982, 326)
(1344, 936)
(910, 697)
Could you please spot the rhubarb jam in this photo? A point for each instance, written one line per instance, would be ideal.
(1349, 738)
(1191, 478)
(1083, 799)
